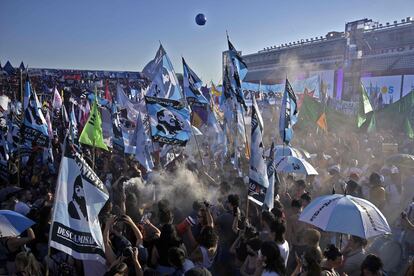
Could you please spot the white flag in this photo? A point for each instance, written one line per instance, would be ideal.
(57, 100)
(80, 196)
(258, 181)
(142, 149)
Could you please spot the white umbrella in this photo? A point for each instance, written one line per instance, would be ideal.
(291, 164)
(347, 215)
(281, 150)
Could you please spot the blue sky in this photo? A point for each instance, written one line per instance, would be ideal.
(124, 34)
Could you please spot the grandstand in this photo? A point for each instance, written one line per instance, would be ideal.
(365, 50)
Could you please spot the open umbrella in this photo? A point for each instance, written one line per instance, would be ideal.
(401, 159)
(347, 215)
(8, 191)
(13, 224)
(281, 150)
(291, 164)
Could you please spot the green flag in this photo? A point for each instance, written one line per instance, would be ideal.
(372, 124)
(408, 129)
(92, 132)
(364, 107)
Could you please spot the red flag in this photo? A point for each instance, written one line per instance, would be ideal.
(107, 93)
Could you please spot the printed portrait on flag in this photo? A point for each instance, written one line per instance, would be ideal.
(169, 121)
(77, 205)
(80, 195)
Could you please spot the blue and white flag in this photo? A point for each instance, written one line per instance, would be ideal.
(74, 133)
(80, 196)
(124, 102)
(169, 121)
(143, 144)
(192, 87)
(237, 71)
(4, 157)
(13, 134)
(164, 82)
(273, 179)
(27, 93)
(258, 179)
(117, 139)
(34, 124)
(288, 114)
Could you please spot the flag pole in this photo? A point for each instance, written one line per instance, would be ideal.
(198, 147)
(93, 155)
(20, 132)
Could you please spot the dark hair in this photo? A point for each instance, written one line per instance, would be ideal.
(268, 218)
(116, 269)
(198, 271)
(208, 237)
(375, 178)
(351, 184)
(306, 197)
(234, 200)
(300, 183)
(313, 258)
(169, 235)
(274, 261)
(279, 228)
(332, 252)
(277, 212)
(255, 243)
(371, 263)
(165, 216)
(176, 257)
(296, 203)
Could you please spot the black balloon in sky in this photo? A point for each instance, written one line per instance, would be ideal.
(201, 19)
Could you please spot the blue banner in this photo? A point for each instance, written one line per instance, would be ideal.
(169, 121)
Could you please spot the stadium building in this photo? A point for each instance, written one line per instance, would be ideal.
(381, 56)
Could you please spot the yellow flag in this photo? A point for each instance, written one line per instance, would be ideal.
(92, 132)
(321, 122)
(214, 90)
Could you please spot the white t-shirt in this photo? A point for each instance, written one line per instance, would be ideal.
(284, 251)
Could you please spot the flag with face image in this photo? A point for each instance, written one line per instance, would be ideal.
(80, 196)
(258, 179)
(164, 82)
(169, 121)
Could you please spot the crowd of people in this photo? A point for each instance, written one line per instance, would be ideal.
(194, 218)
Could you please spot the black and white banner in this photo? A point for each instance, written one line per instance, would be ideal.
(34, 123)
(258, 181)
(80, 196)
